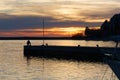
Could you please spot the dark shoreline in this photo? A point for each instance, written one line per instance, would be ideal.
(56, 38)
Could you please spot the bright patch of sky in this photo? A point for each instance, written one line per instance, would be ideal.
(83, 10)
(62, 17)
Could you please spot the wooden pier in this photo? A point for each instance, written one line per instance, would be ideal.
(68, 52)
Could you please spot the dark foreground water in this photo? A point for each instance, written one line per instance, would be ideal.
(14, 66)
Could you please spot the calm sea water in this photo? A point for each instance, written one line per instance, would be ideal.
(14, 66)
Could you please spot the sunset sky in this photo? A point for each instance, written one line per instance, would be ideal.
(62, 17)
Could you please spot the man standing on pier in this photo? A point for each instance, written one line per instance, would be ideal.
(28, 43)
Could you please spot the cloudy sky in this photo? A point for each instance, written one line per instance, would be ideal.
(62, 17)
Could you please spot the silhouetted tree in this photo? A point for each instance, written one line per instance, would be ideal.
(92, 32)
(108, 28)
(105, 28)
(87, 31)
(115, 24)
(112, 27)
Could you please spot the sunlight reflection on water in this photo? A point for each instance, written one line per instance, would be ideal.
(14, 66)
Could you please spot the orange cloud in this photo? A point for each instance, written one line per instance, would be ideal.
(49, 32)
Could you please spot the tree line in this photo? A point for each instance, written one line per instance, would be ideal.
(108, 28)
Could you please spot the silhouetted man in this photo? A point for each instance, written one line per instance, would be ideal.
(28, 43)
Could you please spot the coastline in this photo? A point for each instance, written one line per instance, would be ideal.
(57, 38)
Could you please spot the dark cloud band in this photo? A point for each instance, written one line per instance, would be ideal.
(26, 22)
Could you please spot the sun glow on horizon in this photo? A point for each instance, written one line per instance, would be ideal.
(49, 32)
(62, 17)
